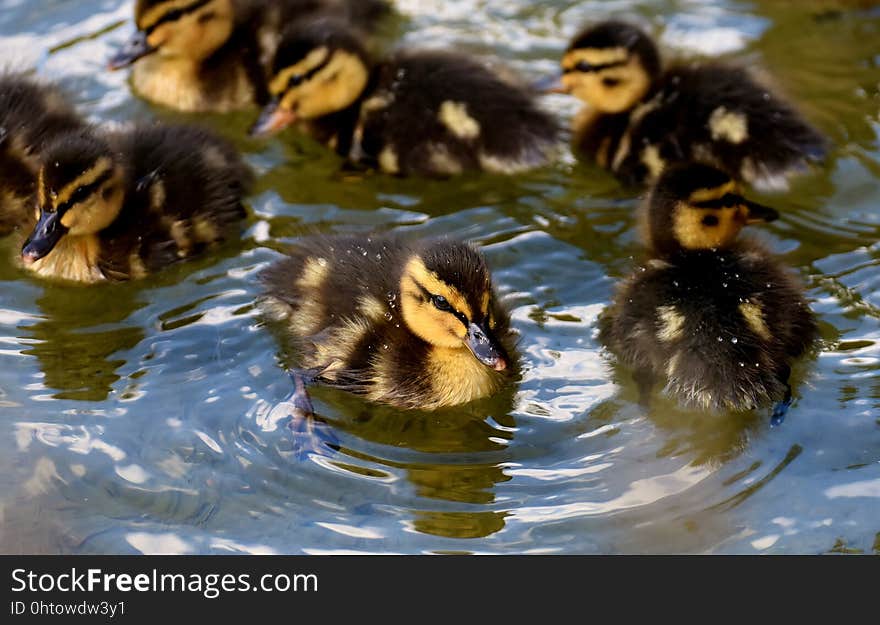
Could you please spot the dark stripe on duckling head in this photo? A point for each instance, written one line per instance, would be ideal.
(83, 191)
(155, 16)
(618, 35)
(442, 304)
(463, 269)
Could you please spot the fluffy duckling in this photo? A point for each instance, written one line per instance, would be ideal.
(639, 118)
(419, 112)
(123, 205)
(412, 324)
(31, 114)
(212, 55)
(719, 319)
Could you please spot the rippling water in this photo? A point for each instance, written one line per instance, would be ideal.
(148, 417)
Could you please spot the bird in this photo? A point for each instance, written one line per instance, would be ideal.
(32, 113)
(212, 55)
(401, 321)
(123, 204)
(714, 317)
(417, 112)
(639, 118)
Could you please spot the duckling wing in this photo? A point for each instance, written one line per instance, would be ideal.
(184, 193)
(441, 114)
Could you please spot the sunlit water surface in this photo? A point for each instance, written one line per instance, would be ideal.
(144, 418)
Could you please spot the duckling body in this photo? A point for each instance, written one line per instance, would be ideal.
(718, 321)
(417, 112)
(640, 119)
(124, 205)
(212, 55)
(413, 324)
(31, 115)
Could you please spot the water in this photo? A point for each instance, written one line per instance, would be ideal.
(142, 418)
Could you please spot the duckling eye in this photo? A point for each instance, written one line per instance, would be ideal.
(611, 82)
(440, 303)
(583, 66)
(710, 220)
(295, 80)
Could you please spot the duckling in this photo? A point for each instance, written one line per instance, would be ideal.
(212, 55)
(31, 114)
(419, 112)
(122, 205)
(718, 318)
(408, 323)
(640, 119)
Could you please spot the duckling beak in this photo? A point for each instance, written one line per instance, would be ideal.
(44, 237)
(272, 119)
(134, 49)
(758, 213)
(550, 84)
(486, 347)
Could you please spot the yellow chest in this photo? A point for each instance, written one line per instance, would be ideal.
(177, 84)
(74, 258)
(457, 377)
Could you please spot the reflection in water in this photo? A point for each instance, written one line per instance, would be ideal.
(74, 355)
(456, 479)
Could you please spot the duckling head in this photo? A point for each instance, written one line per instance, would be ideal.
(697, 207)
(189, 29)
(320, 67)
(610, 66)
(80, 191)
(446, 300)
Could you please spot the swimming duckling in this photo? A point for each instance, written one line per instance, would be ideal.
(718, 318)
(639, 118)
(123, 205)
(412, 324)
(212, 55)
(419, 112)
(31, 114)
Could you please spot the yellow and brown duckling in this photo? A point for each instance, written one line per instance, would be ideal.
(212, 55)
(715, 318)
(408, 323)
(31, 115)
(418, 112)
(123, 205)
(639, 118)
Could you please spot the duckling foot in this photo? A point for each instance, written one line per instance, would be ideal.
(309, 434)
(781, 408)
(779, 412)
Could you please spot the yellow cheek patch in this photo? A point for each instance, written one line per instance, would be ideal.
(312, 60)
(101, 167)
(693, 234)
(671, 324)
(712, 193)
(416, 271)
(594, 56)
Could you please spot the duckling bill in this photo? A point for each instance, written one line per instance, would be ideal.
(411, 324)
(639, 118)
(118, 206)
(714, 318)
(417, 112)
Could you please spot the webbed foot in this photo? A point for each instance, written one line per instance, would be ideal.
(310, 435)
